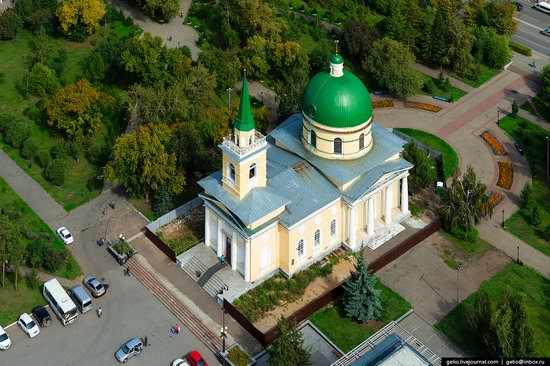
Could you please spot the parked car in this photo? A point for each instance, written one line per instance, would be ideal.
(545, 32)
(518, 148)
(95, 287)
(129, 349)
(519, 6)
(28, 325)
(65, 235)
(5, 341)
(42, 316)
(179, 362)
(195, 359)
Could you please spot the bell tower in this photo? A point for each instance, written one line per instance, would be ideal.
(244, 152)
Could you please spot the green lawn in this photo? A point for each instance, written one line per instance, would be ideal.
(486, 74)
(469, 250)
(456, 93)
(13, 303)
(450, 158)
(532, 139)
(519, 279)
(31, 223)
(14, 66)
(543, 110)
(347, 333)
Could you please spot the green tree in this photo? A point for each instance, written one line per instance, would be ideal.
(501, 328)
(523, 341)
(546, 233)
(16, 251)
(545, 79)
(515, 109)
(463, 203)
(459, 41)
(289, 93)
(160, 10)
(10, 23)
(478, 316)
(358, 39)
(288, 348)
(8, 235)
(56, 171)
(391, 64)
(421, 176)
(500, 16)
(163, 201)
(75, 109)
(527, 198)
(361, 299)
(40, 81)
(29, 149)
(190, 149)
(473, 12)
(80, 18)
(536, 215)
(95, 68)
(255, 17)
(143, 164)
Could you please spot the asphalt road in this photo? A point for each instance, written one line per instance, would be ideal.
(530, 23)
(128, 311)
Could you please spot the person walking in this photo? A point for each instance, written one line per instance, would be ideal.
(99, 312)
(145, 341)
(178, 329)
(127, 271)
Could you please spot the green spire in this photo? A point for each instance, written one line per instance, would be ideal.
(245, 120)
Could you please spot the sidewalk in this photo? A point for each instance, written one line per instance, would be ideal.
(189, 289)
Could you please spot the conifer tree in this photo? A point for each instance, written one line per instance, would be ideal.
(163, 201)
(288, 348)
(361, 299)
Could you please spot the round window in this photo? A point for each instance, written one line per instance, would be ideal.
(312, 109)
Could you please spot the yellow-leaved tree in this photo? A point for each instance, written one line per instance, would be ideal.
(80, 18)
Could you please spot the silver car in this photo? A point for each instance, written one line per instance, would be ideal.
(96, 288)
(129, 349)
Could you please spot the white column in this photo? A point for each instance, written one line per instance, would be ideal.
(247, 261)
(404, 195)
(352, 223)
(387, 216)
(220, 240)
(370, 224)
(207, 226)
(234, 251)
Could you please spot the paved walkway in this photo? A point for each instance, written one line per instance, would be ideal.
(31, 192)
(174, 33)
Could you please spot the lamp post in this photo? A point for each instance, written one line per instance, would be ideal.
(547, 159)
(517, 261)
(223, 334)
(503, 226)
(229, 90)
(498, 116)
(457, 279)
(121, 239)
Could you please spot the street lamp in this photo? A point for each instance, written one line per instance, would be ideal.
(517, 261)
(457, 279)
(223, 334)
(121, 239)
(498, 116)
(229, 90)
(503, 226)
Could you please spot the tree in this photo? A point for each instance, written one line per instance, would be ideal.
(361, 298)
(463, 203)
(40, 81)
(490, 47)
(8, 235)
(527, 198)
(10, 23)
(56, 171)
(160, 10)
(163, 201)
(459, 41)
(478, 316)
(190, 149)
(515, 109)
(391, 64)
(358, 38)
(500, 16)
(545, 79)
(255, 17)
(288, 56)
(143, 164)
(473, 12)
(95, 68)
(80, 18)
(29, 149)
(75, 109)
(288, 348)
(536, 215)
(289, 93)
(523, 340)
(421, 176)
(546, 233)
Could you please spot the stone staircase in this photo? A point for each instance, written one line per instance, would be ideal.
(382, 235)
(206, 276)
(193, 266)
(214, 286)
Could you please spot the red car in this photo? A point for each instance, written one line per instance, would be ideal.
(195, 359)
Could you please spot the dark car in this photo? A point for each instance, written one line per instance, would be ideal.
(42, 316)
(519, 6)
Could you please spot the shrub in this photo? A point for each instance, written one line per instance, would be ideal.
(56, 172)
(112, 14)
(238, 357)
(32, 279)
(16, 132)
(5, 120)
(29, 149)
(519, 48)
(128, 21)
(60, 150)
(55, 259)
(416, 209)
(40, 81)
(428, 87)
(35, 253)
(12, 215)
(546, 233)
(471, 236)
(10, 23)
(42, 158)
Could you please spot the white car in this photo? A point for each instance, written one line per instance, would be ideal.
(179, 362)
(28, 325)
(65, 235)
(545, 32)
(5, 341)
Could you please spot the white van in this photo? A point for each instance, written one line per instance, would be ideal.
(543, 6)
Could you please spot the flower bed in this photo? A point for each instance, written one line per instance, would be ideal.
(505, 174)
(493, 143)
(424, 106)
(384, 103)
(494, 199)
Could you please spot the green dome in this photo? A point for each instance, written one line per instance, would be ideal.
(336, 59)
(339, 102)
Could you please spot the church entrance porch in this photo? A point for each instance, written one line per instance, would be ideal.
(382, 232)
(228, 249)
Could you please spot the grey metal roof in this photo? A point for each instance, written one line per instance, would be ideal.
(385, 145)
(367, 183)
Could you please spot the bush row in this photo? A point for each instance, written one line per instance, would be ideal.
(519, 48)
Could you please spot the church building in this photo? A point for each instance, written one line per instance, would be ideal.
(325, 178)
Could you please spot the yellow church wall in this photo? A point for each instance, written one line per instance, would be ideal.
(243, 184)
(266, 218)
(266, 245)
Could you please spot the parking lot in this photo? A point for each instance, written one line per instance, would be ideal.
(129, 310)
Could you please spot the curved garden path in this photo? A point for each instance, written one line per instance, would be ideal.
(461, 124)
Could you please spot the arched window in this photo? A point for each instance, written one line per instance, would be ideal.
(252, 171)
(317, 238)
(313, 139)
(333, 228)
(265, 258)
(231, 172)
(337, 145)
(362, 141)
(300, 248)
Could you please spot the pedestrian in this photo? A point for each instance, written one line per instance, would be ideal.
(113, 205)
(127, 271)
(103, 212)
(145, 341)
(178, 329)
(99, 312)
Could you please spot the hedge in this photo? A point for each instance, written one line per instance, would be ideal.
(519, 48)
